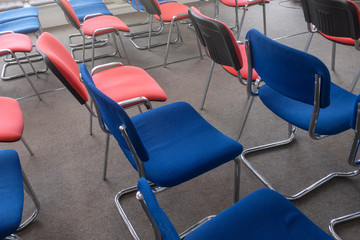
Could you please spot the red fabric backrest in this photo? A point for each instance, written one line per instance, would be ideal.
(62, 64)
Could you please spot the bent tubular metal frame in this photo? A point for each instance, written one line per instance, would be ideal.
(29, 190)
(158, 189)
(342, 219)
(291, 137)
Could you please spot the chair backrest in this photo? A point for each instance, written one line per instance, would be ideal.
(115, 116)
(162, 222)
(62, 64)
(69, 13)
(220, 42)
(339, 18)
(151, 6)
(287, 70)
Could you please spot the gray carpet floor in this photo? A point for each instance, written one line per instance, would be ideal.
(66, 170)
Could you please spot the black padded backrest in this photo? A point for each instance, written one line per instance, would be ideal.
(151, 6)
(339, 18)
(217, 38)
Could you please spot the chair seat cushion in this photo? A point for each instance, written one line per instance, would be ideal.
(341, 40)
(18, 13)
(11, 120)
(77, 3)
(92, 24)
(171, 9)
(23, 25)
(181, 143)
(264, 214)
(126, 82)
(84, 10)
(241, 3)
(16, 42)
(332, 120)
(11, 192)
(244, 69)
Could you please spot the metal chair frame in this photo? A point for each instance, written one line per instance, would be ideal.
(291, 136)
(238, 25)
(342, 219)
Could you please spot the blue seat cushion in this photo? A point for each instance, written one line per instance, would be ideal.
(11, 192)
(264, 214)
(84, 10)
(23, 25)
(141, 7)
(18, 13)
(181, 143)
(77, 3)
(332, 120)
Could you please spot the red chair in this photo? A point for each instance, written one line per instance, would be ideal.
(167, 13)
(127, 85)
(11, 122)
(223, 49)
(244, 4)
(12, 43)
(337, 21)
(92, 27)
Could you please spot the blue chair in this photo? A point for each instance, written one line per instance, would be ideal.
(298, 89)
(77, 3)
(13, 181)
(169, 145)
(264, 214)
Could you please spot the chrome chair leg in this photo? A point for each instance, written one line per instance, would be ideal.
(285, 142)
(333, 56)
(264, 19)
(168, 42)
(243, 122)
(311, 34)
(107, 143)
(29, 190)
(341, 220)
(354, 82)
(27, 146)
(237, 174)
(207, 84)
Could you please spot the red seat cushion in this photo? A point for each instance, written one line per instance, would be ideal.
(126, 82)
(171, 9)
(104, 21)
(244, 69)
(11, 120)
(242, 3)
(16, 42)
(342, 40)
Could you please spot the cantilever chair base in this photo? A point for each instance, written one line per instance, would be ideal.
(29, 73)
(158, 189)
(292, 132)
(341, 220)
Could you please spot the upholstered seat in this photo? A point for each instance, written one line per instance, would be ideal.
(23, 25)
(91, 25)
(171, 9)
(11, 120)
(18, 13)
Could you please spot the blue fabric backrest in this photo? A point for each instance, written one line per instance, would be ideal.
(115, 116)
(288, 71)
(166, 228)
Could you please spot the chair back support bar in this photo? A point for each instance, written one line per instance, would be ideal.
(217, 38)
(297, 78)
(340, 18)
